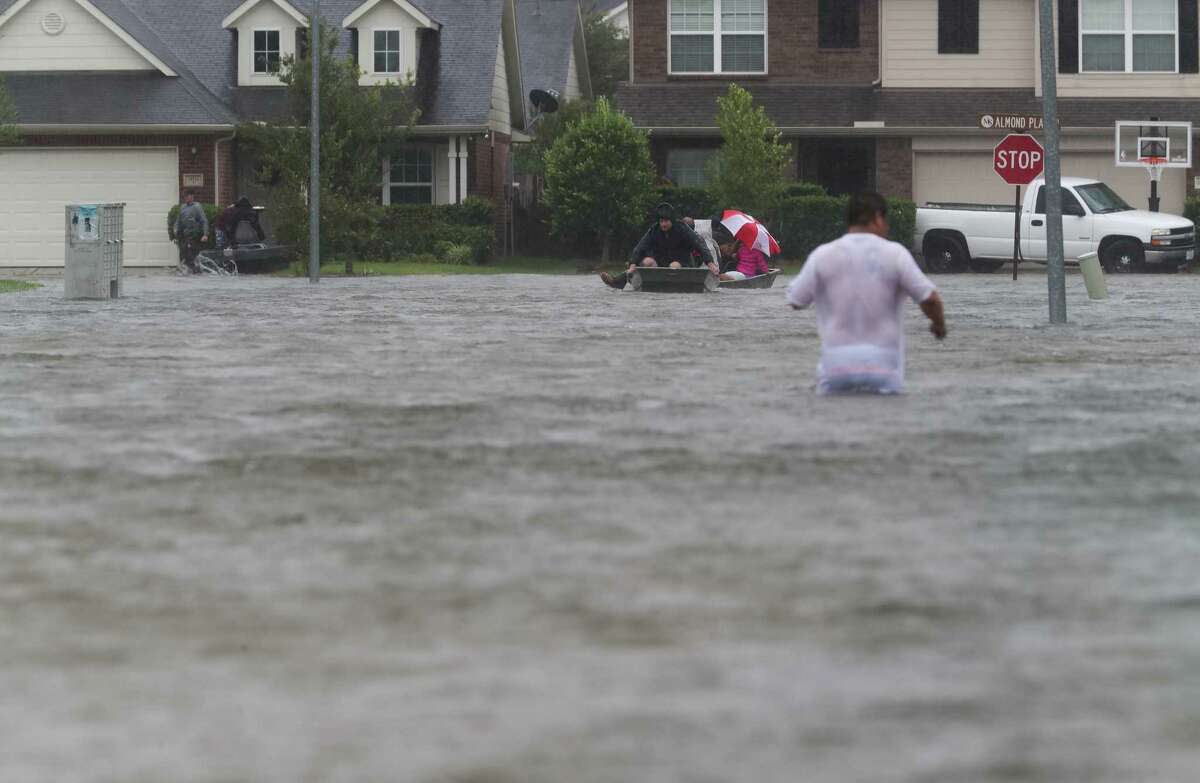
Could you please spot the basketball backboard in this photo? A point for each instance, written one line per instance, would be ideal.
(1153, 143)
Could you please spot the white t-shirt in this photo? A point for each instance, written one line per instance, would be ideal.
(859, 284)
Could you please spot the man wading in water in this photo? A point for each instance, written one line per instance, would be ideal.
(669, 243)
(859, 284)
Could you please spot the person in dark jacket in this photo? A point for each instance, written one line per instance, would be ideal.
(668, 243)
(227, 224)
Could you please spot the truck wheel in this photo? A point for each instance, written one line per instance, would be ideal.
(985, 265)
(944, 254)
(1123, 256)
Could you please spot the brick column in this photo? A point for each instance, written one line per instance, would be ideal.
(894, 167)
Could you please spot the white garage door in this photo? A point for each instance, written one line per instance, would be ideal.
(968, 176)
(36, 184)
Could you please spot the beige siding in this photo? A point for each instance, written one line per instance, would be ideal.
(910, 48)
(573, 91)
(264, 16)
(84, 44)
(960, 169)
(387, 16)
(1129, 85)
(500, 118)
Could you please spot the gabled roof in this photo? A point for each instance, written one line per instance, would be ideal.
(100, 16)
(548, 30)
(422, 18)
(250, 5)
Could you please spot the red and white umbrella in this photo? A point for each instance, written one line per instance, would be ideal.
(750, 232)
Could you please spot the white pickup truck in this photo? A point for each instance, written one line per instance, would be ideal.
(958, 237)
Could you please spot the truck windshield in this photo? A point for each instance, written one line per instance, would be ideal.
(1101, 199)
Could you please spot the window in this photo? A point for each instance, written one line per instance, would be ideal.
(837, 24)
(387, 51)
(718, 36)
(266, 51)
(958, 26)
(689, 168)
(1128, 36)
(1070, 206)
(410, 177)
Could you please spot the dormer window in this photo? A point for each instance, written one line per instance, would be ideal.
(387, 51)
(266, 51)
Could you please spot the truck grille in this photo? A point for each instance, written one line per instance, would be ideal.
(1178, 238)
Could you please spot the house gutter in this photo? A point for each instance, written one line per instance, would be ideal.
(67, 129)
(872, 130)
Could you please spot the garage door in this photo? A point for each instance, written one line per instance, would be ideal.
(35, 185)
(968, 176)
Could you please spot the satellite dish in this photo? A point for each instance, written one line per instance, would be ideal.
(545, 101)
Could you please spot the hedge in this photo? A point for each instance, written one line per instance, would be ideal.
(806, 222)
(210, 211)
(458, 233)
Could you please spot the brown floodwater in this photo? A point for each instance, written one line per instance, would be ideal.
(532, 530)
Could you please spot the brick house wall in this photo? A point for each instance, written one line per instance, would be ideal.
(201, 163)
(489, 170)
(792, 52)
(894, 166)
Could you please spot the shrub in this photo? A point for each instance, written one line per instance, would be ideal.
(454, 253)
(804, 189)
(211, 211)
(407, 230)
(695, 202)
(749, 168)
(1191, 209)
(806, 222)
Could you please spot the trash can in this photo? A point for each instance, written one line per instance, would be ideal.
(95, 257)
(1093, 276)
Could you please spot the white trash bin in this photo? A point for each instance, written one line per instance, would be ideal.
(1093, 276)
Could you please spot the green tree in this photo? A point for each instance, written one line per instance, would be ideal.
(599, 177)
(8, 117)
(607, 52)
(531, 158)
(359, 127)
(748, 173)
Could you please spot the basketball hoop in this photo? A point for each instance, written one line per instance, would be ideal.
(1154, 165)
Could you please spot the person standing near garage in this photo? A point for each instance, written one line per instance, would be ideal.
(191, 230)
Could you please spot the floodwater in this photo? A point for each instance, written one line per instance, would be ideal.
(531, 530)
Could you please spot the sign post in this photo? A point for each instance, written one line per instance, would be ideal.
(1018, 160)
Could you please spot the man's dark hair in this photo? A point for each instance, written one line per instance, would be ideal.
(189, 192)
(864, 208)
(664, 211)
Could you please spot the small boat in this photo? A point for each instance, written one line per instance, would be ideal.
(758, 281)
(664, 280)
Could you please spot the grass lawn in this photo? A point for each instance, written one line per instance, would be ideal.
(518, 265)
(12, 286)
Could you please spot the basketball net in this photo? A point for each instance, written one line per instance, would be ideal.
(1154, 166)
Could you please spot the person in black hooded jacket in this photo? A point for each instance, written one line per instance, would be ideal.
(241, 211)
(669, 242)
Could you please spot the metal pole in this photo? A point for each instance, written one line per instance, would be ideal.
(314, 126)
(1055, 269)
(1017, 233)
(1153, 193)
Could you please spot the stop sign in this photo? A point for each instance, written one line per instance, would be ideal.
(1019, 159)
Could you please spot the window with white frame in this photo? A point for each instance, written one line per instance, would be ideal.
(688, 168)
(387, 51)
(266, 51)
(718, 36)
(410, 177)
(1129, 36)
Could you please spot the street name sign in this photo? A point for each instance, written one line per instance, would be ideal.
(1019, 159)
(1012, 122)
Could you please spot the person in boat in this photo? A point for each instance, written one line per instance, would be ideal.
(242, 211)
(670, 242)
(859, 284)
(738, 261)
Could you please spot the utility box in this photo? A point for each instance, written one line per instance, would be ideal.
(95, 260)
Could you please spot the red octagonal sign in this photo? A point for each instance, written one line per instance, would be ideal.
(1019, 159)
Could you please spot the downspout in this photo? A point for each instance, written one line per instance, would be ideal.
(217, 168)
(879, 33)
